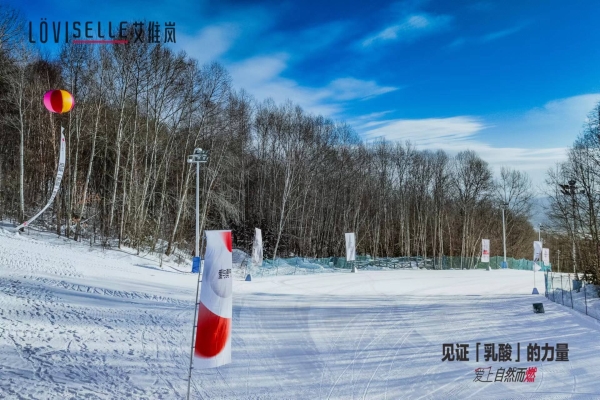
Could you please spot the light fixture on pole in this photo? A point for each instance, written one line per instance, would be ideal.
(200, 156)
(504, 206)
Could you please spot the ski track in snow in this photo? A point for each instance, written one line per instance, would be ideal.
(78, 323)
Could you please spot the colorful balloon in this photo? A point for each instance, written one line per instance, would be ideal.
(59, 101)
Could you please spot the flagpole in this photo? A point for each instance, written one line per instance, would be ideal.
(193, 332)
(537, 260)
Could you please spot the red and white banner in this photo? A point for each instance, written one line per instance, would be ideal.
(213, 333)
(485, 250)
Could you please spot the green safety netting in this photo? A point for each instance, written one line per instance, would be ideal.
(303, 265)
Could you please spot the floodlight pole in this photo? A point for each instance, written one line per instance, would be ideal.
(571, 190)
(198, 211)
(573, 224)
(199, 156)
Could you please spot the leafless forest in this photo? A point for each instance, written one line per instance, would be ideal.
(304, 179)
(574, 191)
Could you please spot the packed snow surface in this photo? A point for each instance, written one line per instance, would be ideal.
(80, 323)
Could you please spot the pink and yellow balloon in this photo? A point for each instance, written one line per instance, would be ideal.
(59, 101)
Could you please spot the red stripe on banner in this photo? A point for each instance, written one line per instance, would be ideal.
(228, 240)
(211, 334)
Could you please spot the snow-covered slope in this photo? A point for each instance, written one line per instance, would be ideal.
(79, 323)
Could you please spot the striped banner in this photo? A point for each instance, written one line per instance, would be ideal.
(213, 332)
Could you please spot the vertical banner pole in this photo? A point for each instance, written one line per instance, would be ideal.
(537, 261)
(504, 239)
(193, 332)
(199, 275)
(585, 297)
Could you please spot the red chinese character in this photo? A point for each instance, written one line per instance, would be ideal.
(530, 374)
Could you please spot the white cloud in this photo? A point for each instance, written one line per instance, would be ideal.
(455, 134)
(262, 77)
(461, 41)
(567, 113)
(351, 88)
(210, 43)
(456, 43)
(258, 70)
(362, 120)
(425, 133)
(411, 28)
(534, 161)
(500, 34)
(555, 124)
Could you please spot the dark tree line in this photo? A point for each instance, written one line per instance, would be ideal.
(574, 190)
(305, 180)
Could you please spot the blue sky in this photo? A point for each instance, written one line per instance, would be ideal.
(512, 80)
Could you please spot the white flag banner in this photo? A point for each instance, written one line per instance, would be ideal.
(537, 251)
(485, 250)
(536, 267)
(257, 248)
(59, 175)
(350, 247)
(213, 332)
(546, 256)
